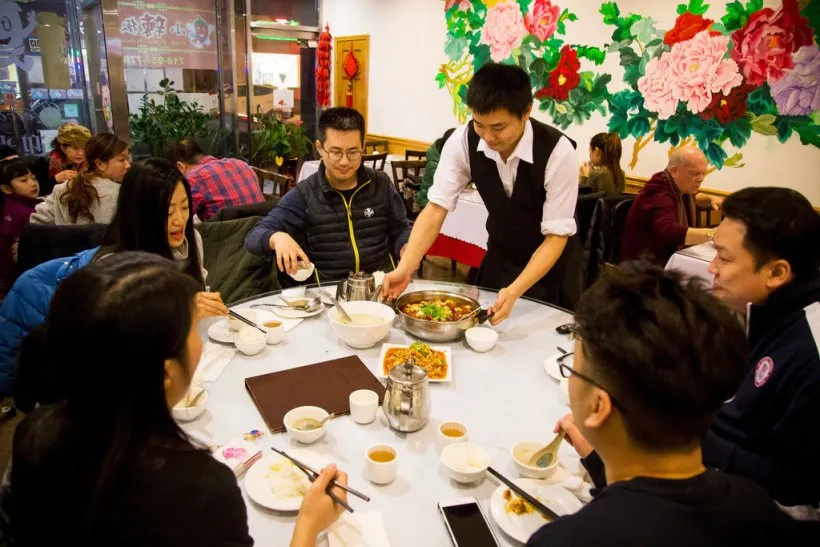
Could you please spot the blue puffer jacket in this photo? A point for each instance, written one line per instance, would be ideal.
(26, 306)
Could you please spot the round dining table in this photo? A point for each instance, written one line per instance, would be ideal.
(503, 396)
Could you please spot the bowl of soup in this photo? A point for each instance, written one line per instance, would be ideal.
(371, 323)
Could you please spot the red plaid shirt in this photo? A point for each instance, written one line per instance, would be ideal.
(219, 183)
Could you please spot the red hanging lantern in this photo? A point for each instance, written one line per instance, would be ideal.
(351, 67)
(323, 68)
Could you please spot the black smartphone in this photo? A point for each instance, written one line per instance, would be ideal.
(565, 328)
(466, 523)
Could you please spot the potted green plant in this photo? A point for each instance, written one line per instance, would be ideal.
(170, 118)
(275, 141)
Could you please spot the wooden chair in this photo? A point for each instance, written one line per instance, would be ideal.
(407, 167)
(375, 161)
(281, 183)
(418, 154)
(376, 146)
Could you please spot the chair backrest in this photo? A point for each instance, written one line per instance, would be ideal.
(612, 251)
(599, 246)
(244, 211)
(281, 183)
(415, 154)
(402, 168)
(375, 161)
(41, 242)
(584, 210)
(376, 145)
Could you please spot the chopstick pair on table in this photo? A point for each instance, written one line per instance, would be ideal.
(246, 321)
(521, 493)
(313, 474)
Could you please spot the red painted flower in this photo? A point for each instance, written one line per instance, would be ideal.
(687, 25)
(727, 108)
(564, 78)
(764, 47)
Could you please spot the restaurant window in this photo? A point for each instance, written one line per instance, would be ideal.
(44, 77)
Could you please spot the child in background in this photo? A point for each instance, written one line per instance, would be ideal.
(18, 197)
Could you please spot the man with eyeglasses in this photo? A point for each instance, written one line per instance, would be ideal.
(655, 357)
(526, 173)
(344, 218)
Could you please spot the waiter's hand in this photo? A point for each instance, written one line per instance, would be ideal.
(394, 283)
(503, 305)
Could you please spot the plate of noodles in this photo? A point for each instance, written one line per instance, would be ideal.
(436, 360)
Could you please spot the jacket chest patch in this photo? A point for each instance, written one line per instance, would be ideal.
(763, 371)
(368, 212)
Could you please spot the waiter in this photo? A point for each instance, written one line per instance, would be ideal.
(526, 173)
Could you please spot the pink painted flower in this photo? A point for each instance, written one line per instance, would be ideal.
(463, 5)
(798, 92)
(656, 88)
(542, 19)
(503, 30)
(691, 72)
(764, 47)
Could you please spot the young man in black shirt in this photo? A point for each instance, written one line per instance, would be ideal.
(655, 358)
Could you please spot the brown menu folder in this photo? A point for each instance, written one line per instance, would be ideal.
(327, 385)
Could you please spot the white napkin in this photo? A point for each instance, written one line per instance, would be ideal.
(215, 357)
(358, 530)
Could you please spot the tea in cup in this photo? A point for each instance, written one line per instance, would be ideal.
(275, 330)
(451, 433)
(382, 463)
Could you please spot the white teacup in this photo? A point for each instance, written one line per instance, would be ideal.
(450, 433)
(275, 330)
(382, 463)
(235, 324)
(364, 405)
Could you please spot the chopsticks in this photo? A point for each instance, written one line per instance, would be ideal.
(246, 321)
(312, 474)
(537, 505)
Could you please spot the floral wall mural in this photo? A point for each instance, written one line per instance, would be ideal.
(713, 78)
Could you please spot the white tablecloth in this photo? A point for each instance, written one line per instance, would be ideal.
(469, 221)
(694, 261)
(488, 393)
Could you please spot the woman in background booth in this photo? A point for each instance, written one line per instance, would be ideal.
(603, 173)
(153, 215)
(108, 465)
(91, 196)
(433, 155)
(67, 158)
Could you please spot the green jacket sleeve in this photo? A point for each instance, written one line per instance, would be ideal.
(600, 180)
(433, 156)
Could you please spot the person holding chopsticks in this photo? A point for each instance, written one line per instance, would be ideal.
(641, 404)
(108, 465)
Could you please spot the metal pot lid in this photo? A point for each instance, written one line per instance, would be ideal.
(408, 374)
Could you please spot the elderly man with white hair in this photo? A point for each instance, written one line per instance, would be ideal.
(661, 218)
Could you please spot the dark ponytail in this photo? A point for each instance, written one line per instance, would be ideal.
(81, 193)
(610, 146)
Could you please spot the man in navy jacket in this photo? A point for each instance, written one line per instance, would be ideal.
(767, 267)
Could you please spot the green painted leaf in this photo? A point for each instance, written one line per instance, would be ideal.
(760, 101)
(644, 29)
(812, 13)
(809, 134)
(763, 124)
(454, 48)
(696, 7)
(560, 108)
(784, 129)
(586, 80)
(594, 54)
(441, 79)
(638, 126)
(611, 12)
(737, 15)
(714, 152)
(481, 55)
(815, 117)
(524, 5)
(738, 132)
(462, 93)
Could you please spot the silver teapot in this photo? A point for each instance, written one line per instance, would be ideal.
(358, 286)
(407, 400)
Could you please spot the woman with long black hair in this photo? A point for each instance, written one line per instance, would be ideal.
(153, 215)
(107, 465)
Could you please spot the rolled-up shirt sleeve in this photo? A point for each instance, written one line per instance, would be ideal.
(561, 184)
(453, 171)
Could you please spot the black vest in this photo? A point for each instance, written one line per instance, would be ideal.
(339, 242)
(514, 223)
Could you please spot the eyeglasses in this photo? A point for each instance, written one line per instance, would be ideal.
(336, 155)
(567, 371)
